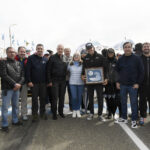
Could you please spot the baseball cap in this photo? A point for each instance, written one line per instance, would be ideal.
(88, 46)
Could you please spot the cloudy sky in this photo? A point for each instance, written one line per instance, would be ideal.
(73, 22)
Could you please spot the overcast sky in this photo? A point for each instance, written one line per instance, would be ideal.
(74, 22)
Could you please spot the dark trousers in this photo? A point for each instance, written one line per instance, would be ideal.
(69, 94)
(58, 93)
(144, 94)
(38, 90)
(49, 95)
(99, 91)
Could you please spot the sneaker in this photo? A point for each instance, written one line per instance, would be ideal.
(108, 117)
(90, 117)
(121, 120)
(62, 115)
(35, 118)
(5, 129)
(78, 114)
(55, 117)
(43, 116)
(24, 117)
(134, 124)
(19, 123)
(141, 122)
(101, 118)
(74, 114)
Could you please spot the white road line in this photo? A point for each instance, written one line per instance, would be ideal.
(134, 137)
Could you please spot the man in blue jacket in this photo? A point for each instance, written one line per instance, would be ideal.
(36, 78)
(131, 72)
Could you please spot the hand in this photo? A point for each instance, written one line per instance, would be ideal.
(118, 85)
(83, 77)
(135, 86)
(50, 84)
(17, 87)
(105, 82)
(30, 84)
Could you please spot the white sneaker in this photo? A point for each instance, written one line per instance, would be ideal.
(74, 114)
(78, 114)
(90, 117)
(134, 124)
(121, 120)
(25, 117)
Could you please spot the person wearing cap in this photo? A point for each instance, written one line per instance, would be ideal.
(131, 74)
(93, 59)
(47, 55)
(111, 94)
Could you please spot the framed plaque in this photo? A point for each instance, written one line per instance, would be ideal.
(94, 75)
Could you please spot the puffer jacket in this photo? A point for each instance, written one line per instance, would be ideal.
(11, 73)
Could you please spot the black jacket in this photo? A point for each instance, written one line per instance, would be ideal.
(130, 70)
(56, 69)
(11, 73)
(96, 60)
(36, 69)
(146, 63)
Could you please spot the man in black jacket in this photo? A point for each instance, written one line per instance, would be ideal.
(12, 77)
(36, 79)
(56, 75)
(144, 90)
(131, 72)
(93, 59)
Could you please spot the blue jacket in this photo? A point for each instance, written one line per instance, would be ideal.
(36, 69)
(130, 70)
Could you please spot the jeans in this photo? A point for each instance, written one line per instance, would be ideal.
(124, 91)
(7, 96)
(76, 96)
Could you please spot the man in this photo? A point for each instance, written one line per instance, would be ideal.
(36, 79)
(93, 59)
(56, 75)
(130, 69)
(144, 91)
(21, 57)
(12, 77)
(67, 58)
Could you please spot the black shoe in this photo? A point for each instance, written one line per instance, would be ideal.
(5, 129)
(108, 117)
(62, 115)
(19, 123)
(44, 116)
(35, 118)
(54, 117)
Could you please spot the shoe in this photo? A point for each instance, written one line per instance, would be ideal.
(134, 124)
(74, 114)
(141, 122)
(78, 114)
(35, 118)
(5, 129)
(55, 117)
(24, 117)
(121, 120)
(19, 123)
(62, 115)
(108, 117)
(43, 116)
(101, 118)
(90, 117)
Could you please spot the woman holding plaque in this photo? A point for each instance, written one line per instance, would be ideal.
(76, 84)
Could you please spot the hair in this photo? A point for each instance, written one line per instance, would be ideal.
(105, 52)
(145, 43)
(127, 43)
(8, 48)
(80, 61)
(39, 45)
(67, 49)
(20, 48)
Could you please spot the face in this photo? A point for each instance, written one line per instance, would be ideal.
(22, 52)
(127, 49)
(110, 55)
(60, 49)
(76, 57)
(11, 53)
(40, 50)
(83, 55)
(67, 52)
(146, 48)
(91, 51)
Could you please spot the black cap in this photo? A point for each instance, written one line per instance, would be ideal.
(50, 51)
(83, 52)
(110, 50)
(88, 46)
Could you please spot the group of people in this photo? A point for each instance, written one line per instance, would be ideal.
(50, 75)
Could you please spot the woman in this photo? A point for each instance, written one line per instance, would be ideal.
(76, 84)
